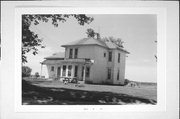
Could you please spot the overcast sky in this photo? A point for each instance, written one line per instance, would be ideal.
(139, 32)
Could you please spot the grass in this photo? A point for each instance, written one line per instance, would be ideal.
(56, 93)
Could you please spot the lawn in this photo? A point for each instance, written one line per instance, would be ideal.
(57, 93)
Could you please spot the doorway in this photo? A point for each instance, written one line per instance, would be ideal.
(58, 71)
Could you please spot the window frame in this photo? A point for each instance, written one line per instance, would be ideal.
(52, 68)
(109, 73)
(70, 53)
(118, 74)
(88, 71)
(64, 71)
(104, 54)
(119, 55)
(110, 56)
(82, 73)
(69, 70)
(76, 53)
(59, 71)
(75, 70)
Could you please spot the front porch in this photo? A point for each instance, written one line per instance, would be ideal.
(69, 69)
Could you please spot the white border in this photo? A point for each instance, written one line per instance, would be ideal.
(161, 52)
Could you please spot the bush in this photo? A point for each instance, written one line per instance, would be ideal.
(26, 71)
(126, 81)
(37, 75)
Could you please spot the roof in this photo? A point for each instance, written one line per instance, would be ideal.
(86, 41)
(93, 41)
(59, 55)
(51, 61)
(58, 61)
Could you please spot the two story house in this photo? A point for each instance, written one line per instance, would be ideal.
(90, 60)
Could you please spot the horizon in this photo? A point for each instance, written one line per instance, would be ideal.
(138, 31)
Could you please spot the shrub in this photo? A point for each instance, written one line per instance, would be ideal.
(37, 75)
(26, 71)
(126, 81)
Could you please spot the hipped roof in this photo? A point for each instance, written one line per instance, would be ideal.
(86, 41)
(93, 41)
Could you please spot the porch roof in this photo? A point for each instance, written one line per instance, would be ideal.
(56, 56)
(79, 61)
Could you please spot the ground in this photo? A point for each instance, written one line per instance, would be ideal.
(57, 93)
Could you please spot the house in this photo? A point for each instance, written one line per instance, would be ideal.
(90, 60)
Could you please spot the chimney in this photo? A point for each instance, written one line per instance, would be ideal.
(98, 36)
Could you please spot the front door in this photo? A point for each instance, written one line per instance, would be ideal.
(58, 71)
(76, 71)
(82, 72)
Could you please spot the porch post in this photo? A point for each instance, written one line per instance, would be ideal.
(66, 70)
(61, 70)
(84, 73)
(72, 72)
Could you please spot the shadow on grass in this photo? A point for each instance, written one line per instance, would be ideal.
(35, 95)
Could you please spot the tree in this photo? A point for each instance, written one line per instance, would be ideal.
(90, 33)
(117, 41)
(26, 71)
(31, 41)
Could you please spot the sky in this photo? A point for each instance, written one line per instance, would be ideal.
(138, 31)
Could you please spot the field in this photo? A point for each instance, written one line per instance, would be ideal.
(57, 93)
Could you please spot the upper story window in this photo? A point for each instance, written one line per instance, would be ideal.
(118, 57)
(76, 53)
(104, 54)
(52, 68)
(70, 53)
(109, 73)
(110, 56)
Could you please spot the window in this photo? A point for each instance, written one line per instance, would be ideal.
(52, 68)
(76, 53)
(109, 73)
(58, 71)
(64, 70)
(110, 56)
(70, 53)
(87, 71)
(69, 70)
(82, 74)
(118, 74)
(104, 54)
(76, 71)
(118, 57)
